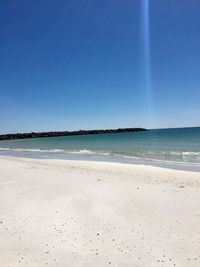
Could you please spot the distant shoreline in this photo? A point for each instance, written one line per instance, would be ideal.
(67, 133)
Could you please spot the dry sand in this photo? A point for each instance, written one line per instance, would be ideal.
(72, 213)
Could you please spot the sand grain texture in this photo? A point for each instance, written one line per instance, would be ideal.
(71, 213)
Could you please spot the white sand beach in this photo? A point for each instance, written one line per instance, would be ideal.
(75, 213)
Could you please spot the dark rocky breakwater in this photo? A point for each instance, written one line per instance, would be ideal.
(67, 133)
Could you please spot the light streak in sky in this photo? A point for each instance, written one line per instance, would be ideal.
(147, 58)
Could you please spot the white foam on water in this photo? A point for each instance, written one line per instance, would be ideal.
(81, 151)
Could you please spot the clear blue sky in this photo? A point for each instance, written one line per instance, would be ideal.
(72, 64)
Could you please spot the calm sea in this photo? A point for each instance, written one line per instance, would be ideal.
(174, 148)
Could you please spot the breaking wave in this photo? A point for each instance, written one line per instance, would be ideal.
(81, 151)
(133, 154)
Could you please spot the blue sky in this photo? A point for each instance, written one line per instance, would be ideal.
(81, 64)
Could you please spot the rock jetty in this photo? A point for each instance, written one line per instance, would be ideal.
(67, 133)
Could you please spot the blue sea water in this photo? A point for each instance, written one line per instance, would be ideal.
(174, 148)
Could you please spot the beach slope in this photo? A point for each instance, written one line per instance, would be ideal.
(75, 213)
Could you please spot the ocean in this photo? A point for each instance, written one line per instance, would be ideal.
(172, 148)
